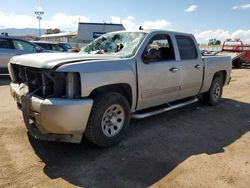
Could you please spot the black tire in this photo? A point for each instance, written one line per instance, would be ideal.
(213, 96)
(237, 63)
(100, 121)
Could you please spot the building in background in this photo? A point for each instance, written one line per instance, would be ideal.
(87, 32)
(66, 37)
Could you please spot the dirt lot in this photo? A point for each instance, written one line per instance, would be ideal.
(196, 146)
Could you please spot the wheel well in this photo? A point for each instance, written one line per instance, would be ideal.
(122, 88)
(221, 74)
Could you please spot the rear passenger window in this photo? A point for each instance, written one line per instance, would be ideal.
(45, 46)
(21, 45)
(4, 43)
(186, 47)
(56, 47)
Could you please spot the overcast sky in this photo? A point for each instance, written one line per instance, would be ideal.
(206, 19)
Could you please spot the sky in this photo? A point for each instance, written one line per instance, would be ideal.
(205, 19)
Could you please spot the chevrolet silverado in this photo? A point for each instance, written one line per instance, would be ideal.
(118, 76)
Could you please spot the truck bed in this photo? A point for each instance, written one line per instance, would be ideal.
(213, 64)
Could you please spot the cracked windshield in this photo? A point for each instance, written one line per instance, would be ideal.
(122, 45)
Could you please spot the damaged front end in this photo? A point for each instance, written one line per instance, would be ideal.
(51, 103)
(47, 83)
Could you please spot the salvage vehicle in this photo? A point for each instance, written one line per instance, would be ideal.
(237, 50)
(245, 48)
(118, 76)
(12, 46)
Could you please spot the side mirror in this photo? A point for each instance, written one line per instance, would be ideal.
(37, 49)
(151, 54)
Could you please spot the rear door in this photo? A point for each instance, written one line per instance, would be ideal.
(6, 52)
(191, 66)
(159, 77)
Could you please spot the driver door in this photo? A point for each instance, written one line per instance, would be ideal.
(158, 73)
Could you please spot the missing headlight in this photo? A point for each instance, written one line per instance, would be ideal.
(73, 86)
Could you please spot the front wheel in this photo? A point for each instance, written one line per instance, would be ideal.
(213, 96)
(109, 119)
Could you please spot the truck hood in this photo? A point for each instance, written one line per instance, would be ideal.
(54, 60)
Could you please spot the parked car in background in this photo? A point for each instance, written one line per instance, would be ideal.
(12, 46)
(56, 46)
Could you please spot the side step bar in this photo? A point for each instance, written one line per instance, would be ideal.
(171, 107)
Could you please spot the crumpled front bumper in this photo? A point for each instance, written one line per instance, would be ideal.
(54, 119)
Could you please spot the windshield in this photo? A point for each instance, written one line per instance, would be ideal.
(122, 44)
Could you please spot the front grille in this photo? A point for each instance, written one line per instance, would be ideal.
(41, 82)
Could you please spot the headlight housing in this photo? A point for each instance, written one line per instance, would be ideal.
(73, 85)
(47, 83)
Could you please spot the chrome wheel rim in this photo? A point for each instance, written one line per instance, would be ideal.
(112, 120)
(216, 92)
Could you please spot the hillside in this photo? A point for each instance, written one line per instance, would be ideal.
(24, 31)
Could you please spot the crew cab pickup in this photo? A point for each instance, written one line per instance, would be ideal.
(118, 76)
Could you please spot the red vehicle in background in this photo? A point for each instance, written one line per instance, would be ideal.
(239, 52)
(245, 58)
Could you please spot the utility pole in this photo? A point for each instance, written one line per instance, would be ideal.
(39, 17)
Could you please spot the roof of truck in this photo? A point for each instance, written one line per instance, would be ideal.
(152, 31)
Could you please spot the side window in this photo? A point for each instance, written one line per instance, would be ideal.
(21, 45)
(56, 47)
(160, 48)
(45, 46)
(4, 43)
(186, 47)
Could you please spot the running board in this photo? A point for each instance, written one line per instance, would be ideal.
(171, 107)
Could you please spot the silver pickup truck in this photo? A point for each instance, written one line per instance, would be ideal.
(118, 76)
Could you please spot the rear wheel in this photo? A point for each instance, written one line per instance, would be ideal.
(213, 96)
(109, 119)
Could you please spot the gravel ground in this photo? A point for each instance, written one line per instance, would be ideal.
(196, 146)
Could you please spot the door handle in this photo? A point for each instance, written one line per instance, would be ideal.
(197, 66)
(174, 69)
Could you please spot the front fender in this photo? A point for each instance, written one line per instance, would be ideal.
(104, 73)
